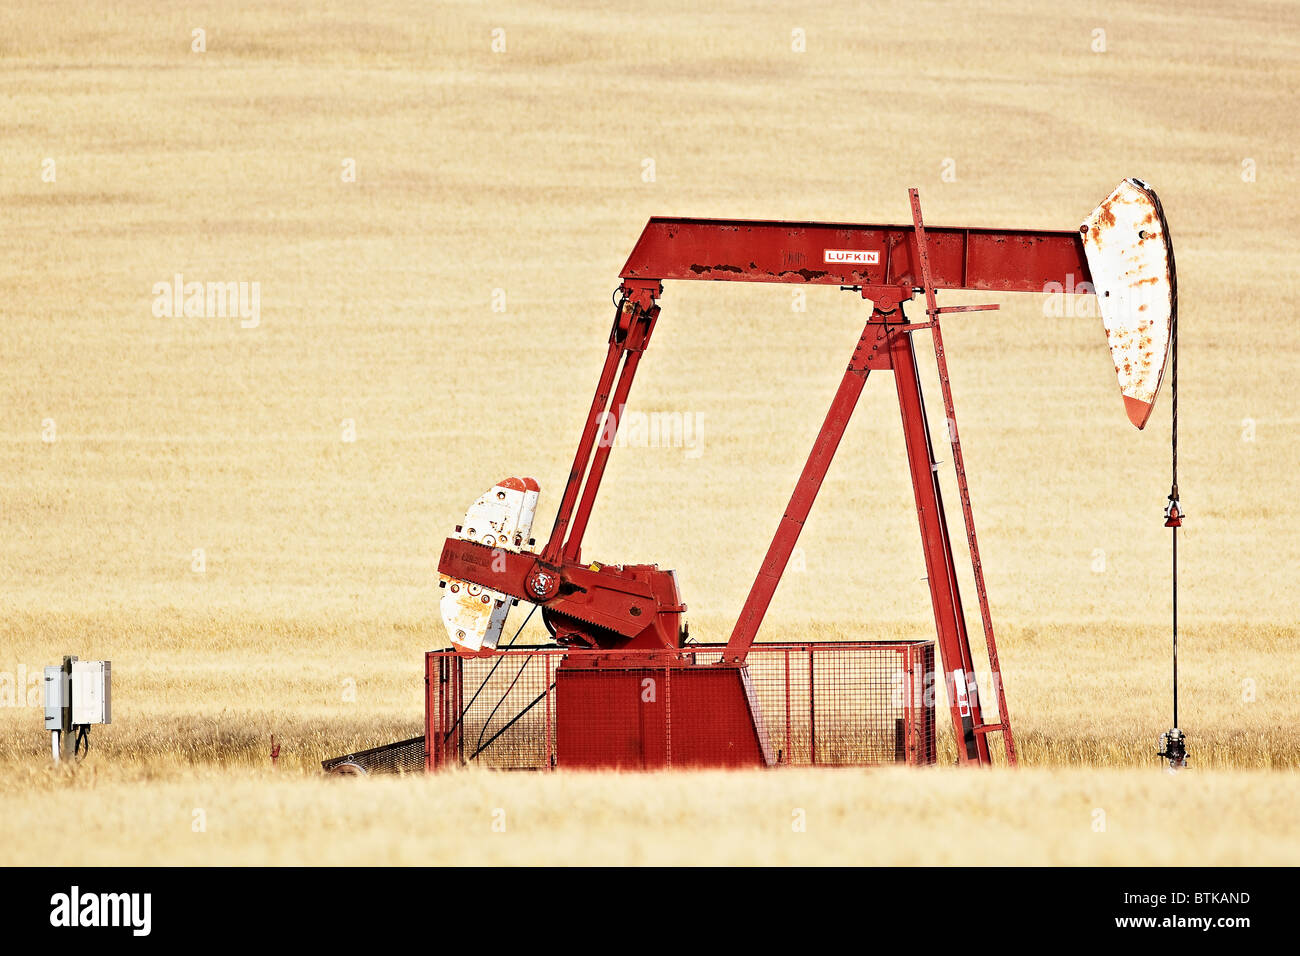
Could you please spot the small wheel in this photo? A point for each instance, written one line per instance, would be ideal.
(349, 769)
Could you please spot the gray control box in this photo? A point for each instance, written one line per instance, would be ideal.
(56, 695)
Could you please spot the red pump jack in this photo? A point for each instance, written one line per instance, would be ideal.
(1121, 252)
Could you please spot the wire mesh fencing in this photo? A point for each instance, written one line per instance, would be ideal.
(790, 704)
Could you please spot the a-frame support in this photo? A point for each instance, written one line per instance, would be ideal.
(886, 344)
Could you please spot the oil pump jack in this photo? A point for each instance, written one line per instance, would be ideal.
(624, 618)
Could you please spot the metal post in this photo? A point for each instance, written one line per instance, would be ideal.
(546, 670)
(909, 695)
(668, 716)
(435, 712)
(66, 741)
(787, 705)
(933, 312)
(812, 709)
(940, 569)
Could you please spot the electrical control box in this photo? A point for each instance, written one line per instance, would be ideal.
(91, 700)
(55, 689)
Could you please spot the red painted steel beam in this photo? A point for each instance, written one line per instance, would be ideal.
(634, 345)
(819, 253)
(554, 547)
(633, 322)
(940, 565)
(968, 517)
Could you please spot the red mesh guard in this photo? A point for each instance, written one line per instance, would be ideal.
(816, 703)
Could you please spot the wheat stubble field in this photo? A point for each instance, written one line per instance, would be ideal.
(180, 494)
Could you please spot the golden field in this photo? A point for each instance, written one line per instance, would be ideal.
(129, 440)
(889, 816)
